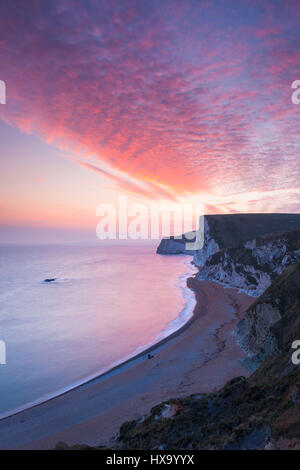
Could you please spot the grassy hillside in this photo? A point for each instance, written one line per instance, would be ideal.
(232, 229)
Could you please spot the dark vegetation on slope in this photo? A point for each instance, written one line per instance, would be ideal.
(284, 294)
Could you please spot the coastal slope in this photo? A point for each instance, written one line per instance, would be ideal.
(253, 265)
(261, 412)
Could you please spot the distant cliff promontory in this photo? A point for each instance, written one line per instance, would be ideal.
(230, 230)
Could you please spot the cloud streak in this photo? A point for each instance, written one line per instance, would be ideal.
(176, 97)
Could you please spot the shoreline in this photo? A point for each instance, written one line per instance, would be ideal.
(197, 358)
(114, 369)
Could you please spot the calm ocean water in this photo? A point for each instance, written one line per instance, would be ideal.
(107, 305)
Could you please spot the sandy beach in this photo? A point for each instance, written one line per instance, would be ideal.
(200, 357)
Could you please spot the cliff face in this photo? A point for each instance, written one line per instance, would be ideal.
(253, 266)
(210, 245)
(271, 322)
(225, 231)
(254, 334)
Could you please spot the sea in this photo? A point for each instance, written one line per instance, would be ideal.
(106, 305)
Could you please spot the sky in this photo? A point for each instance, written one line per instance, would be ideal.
(166, 101)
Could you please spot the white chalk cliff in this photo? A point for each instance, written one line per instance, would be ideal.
(253, 266)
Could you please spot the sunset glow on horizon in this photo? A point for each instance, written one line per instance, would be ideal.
(166, 101)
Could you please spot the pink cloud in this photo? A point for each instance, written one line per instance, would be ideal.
(171, 95)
